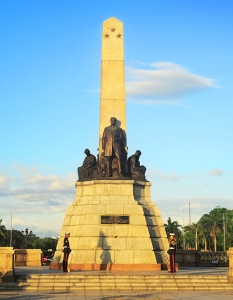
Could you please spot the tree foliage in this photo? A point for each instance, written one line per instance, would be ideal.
(45, 243)
(2, 234)
(214, 231)
(173, 227)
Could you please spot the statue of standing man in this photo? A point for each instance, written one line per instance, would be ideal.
(113, 144)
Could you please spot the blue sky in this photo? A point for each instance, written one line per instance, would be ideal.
(179, 70)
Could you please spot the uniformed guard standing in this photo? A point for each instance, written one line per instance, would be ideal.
(172, 251)
(66, 251)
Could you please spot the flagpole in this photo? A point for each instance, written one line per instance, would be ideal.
(11, 231)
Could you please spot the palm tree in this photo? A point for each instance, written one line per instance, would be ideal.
(173, 227)
(191, 233)
(212, 224)
(203, 234)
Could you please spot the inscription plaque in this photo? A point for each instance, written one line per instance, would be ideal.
(114, 219)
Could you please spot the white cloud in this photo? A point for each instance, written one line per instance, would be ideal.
(158, 174)
(40, 225)
(163, 82)
(216, 172)
(38, 201)
(172, 177)
(3, 182)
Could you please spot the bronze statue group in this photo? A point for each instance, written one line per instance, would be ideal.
(112, 161)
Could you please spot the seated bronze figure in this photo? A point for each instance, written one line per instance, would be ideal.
(88, 170)
(136, 171)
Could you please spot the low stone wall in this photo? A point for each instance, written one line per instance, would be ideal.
(6, 262)
(28, 257)
(194, 258)
(230, 270)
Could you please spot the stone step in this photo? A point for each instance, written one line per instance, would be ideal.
(73, 282)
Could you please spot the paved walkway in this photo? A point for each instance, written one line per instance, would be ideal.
(120, 295)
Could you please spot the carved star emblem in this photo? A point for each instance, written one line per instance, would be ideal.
(119, 35)
(106, 36)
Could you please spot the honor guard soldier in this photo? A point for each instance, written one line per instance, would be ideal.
(66, 251)
(172, 251)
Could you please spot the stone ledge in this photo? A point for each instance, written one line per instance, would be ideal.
(107, 181)
(108, 267)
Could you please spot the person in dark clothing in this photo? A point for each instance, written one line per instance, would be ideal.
(66, 251)
(172, 251)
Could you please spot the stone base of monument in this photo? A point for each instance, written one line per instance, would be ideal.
(114, 225)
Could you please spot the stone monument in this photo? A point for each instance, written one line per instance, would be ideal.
(113, 222)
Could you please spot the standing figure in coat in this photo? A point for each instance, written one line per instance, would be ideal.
(66, 251)
(113, 141)
(172, 251)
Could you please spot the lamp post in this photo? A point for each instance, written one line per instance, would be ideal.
(196, 239)
(224, 233)
(11, 231)
(184, 246)
(26, 233)
(54, 242)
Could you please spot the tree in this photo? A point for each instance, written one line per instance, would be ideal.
(2, 234)
(212, 224)
(228, 226)
(173, 227)
(214, 229)
(192, 233)
(45, 243)
(17, 239)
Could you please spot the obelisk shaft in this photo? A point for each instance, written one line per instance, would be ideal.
(112, 91)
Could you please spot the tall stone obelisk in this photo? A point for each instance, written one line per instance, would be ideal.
(112, 92)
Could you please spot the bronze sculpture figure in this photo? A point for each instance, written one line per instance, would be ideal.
(136, 171)
(113, 144)
(88, 170)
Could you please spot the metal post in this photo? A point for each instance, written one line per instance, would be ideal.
(26, 234)
(11, 231)
(196, 240)
(183, 232)
(224, 234)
